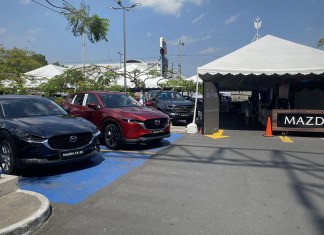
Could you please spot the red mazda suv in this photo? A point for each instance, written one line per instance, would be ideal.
(120, 118)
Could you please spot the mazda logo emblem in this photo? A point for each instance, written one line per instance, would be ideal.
(73, 138)
(157, 122)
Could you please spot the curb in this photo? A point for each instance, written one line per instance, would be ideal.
(34, 221)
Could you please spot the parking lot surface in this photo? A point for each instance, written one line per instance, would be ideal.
(242, 184)
(73, 183)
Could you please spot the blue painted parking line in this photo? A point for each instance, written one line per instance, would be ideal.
(72, 187)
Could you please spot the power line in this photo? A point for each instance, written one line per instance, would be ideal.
(55, 6)
(46, 7)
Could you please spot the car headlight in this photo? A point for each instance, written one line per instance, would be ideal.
(33, 138)
(26, 136)
(133, 121)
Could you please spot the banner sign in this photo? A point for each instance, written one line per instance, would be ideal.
(303, 120)
(211, 109)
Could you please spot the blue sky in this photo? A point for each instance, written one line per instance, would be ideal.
(209, 29)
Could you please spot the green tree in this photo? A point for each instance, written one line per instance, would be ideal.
(81, 23)
(20, 60)
(183, 85)
(92, 77)
(14, 63)
(140, 78)
(320, 43)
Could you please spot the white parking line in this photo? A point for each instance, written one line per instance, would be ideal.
(126, 151)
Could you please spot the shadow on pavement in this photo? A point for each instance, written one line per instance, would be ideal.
(237, 121)
(45, 171)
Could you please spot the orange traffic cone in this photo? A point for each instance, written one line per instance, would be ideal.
(268, 129)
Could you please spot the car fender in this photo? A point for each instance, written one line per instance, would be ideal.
(109, 120)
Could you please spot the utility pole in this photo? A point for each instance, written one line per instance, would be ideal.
(83, 51)
(181, 43)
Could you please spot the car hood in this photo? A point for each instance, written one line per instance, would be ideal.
(177, 102)
(140, 113)
(47, 126)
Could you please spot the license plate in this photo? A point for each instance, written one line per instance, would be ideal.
(156, 132)
(71, 154)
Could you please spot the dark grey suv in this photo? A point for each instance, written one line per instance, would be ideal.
(171, 103)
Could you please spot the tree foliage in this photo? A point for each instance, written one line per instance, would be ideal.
(81, 23)
(140, 78)
(92, 77)
(14, 63)
(183, 85)
(320, 43)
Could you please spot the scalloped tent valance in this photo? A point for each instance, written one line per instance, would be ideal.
(263, 63)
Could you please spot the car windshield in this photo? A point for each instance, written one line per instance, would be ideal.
(171, 96)
(16, 108)
(118, 100)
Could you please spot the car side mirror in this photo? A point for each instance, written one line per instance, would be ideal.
(93, 106)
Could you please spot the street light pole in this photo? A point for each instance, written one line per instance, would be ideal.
(120, 54)
(124, 8)
(124, 33)
(181, 43)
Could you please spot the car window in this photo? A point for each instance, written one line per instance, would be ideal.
(118, 100)
(171, 96)
(29, 108)
(164, 96)
(92, 99)
(152, 94)
(78, 99)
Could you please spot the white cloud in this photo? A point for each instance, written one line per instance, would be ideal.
(2, 30)
(208, 51)
(170, 7)
(148, 34)
(199, 18)
(232, 19)
(188, 39)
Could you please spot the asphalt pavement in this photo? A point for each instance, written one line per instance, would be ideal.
(236, 182)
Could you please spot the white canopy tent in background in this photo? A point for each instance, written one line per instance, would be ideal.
(43, 74)
(263, 62)
(142, 68)
(194, 78)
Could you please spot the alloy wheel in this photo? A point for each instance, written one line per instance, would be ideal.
(6, 156)
(112, 136)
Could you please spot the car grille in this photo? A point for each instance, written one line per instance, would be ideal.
(183, 109)
(69, 141)
(159, 123)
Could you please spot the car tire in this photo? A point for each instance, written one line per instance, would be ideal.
(7, 155)
(112, 137)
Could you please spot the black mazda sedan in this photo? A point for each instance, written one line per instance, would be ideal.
(36, 131)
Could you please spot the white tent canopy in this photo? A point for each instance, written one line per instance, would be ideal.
(264, 62)
(43, 74)
(268, 55)
(142, 68)
(47, 72)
